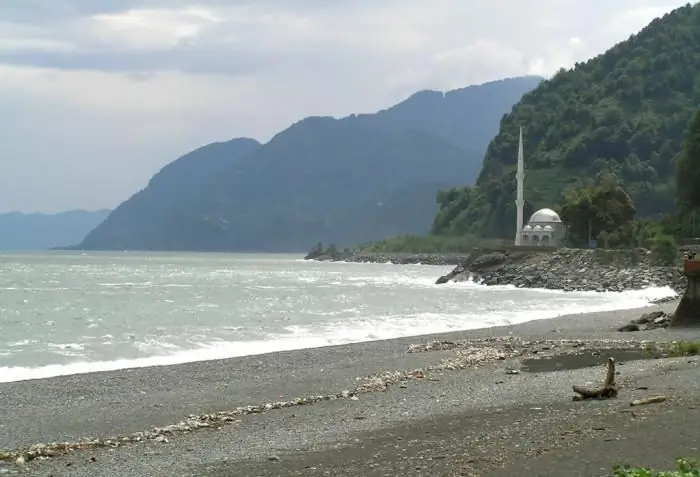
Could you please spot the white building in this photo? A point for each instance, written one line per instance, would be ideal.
(545, 228)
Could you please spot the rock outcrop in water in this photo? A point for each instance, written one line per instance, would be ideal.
(571, 270)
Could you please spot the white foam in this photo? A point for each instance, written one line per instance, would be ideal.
(362, 329)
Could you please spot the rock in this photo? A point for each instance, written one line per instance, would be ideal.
(649, 317)
(459, 270)
(487, 261)
(648, 321)
(569, 270)
(443, 279)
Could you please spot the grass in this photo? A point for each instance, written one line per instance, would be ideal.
(427, 244)
(686, 468)
(676, 349)
(684, 348)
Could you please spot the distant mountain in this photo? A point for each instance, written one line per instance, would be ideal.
(468, 117)
(20, 231)
(129, 225)
(356, 179)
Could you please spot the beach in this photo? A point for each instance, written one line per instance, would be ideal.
(480, 418)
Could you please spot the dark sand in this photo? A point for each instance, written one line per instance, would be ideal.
(480, 421)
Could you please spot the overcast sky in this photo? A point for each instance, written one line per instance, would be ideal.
(97, 95)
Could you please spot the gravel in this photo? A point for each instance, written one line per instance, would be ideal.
(437, 411)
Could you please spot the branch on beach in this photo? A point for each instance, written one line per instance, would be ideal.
(649, 400)
(607, 391)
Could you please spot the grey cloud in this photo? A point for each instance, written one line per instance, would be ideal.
(184, 60)
(78, 138)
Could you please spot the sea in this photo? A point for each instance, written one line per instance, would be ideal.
(71, 312)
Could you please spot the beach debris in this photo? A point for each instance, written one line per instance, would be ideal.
(648, 321)
(466, 355)
(607, 391)
(649, 400)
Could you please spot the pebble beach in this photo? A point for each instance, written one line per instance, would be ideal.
(476, 402)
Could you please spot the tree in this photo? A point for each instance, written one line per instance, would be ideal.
(688, 168)
(605, 207)
(665, 250)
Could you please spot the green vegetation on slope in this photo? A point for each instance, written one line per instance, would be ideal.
(417, 244)
(688, 168)
(132, 224)
(625, 112)
(321, 178)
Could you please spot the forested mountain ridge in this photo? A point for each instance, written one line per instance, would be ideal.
(350, 180)
(130, 223)
(625, 111)
(468, 117)
(342, 177)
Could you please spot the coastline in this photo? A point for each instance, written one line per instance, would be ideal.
(564, 269)
(398, 258)
(278, 441)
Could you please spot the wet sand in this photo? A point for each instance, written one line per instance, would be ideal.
(495, 419)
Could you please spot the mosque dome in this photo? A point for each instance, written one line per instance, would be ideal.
(548, 228)
(527, 228)
(545, 215)
(537, 228)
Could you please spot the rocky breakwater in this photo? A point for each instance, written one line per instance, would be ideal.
(568, 270)
(332, 254)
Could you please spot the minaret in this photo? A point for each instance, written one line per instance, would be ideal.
(519, 200)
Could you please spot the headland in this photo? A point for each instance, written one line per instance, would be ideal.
(537, 267)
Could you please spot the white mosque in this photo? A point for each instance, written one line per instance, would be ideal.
(545, 228)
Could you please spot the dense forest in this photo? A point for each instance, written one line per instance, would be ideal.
(624, 113)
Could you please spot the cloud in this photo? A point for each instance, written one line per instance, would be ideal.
(96, 96)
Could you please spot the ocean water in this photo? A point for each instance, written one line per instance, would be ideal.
(66, 313)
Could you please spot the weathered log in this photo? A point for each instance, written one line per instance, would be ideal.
(649, 400)
(607, 391)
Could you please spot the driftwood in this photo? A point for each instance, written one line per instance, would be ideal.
(649, 400)
(607, 391)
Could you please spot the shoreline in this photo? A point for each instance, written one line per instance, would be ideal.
(121, 403)
(131, 366)
(564, 269)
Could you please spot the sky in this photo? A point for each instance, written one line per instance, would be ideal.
(97, 95)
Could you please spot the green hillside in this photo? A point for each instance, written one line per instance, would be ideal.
(625, 112)
(132, 224)
(341, 178)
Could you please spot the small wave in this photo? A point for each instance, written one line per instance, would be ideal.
(356, 329)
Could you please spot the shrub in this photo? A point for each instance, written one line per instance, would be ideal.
(665, 250)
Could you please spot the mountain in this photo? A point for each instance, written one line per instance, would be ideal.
(625, 111)
(129, 225)
(468, 117)
(20, 231)
(356, 179)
